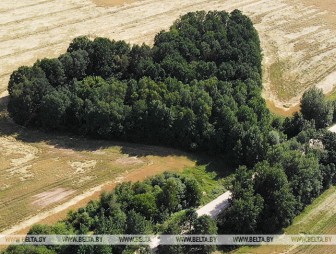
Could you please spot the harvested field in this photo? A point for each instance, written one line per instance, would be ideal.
(45, 174)
(297, 35)
(128, 160)
(108, 3)
(297, 38)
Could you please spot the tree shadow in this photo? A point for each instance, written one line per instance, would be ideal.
(3, 103)
(74, 142)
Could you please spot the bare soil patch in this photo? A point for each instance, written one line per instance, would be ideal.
(18, 158)
(60, 212)
(52, 196)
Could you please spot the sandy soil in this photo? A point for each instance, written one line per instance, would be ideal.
(52, 196)
(297, 35)
(82, 167)
(19, 157)
(325, 5)
(333, 128)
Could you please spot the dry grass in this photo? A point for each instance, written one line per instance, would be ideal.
(282, 86)
(40, 171)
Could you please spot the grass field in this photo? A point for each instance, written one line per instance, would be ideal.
(317, 218)
(212, 183)
(332, 96)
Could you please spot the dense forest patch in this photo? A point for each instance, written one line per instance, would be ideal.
(198, 88)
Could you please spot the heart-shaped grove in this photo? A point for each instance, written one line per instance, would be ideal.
(198, 88)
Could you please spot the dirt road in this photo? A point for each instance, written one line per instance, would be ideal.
(214, 207)
(297, 35)
(333, 128)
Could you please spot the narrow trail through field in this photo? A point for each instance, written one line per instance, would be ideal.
(297, 36)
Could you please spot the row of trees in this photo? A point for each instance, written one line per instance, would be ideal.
(197, 88)
(138, 208)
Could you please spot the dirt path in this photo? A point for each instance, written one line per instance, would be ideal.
(333, 128)
(217, 205)
(212, 209)
(297, 35)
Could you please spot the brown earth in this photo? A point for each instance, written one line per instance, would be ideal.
(52, 196)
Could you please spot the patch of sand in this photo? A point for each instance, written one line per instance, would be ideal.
(22, 171)
(301, 37)
(84, 180)
(4, 94)
(325, 5)
(125, 160)
(52, 196)
(328, 83)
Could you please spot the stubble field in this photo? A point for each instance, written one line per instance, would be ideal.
(297, 35)
(40, 172)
